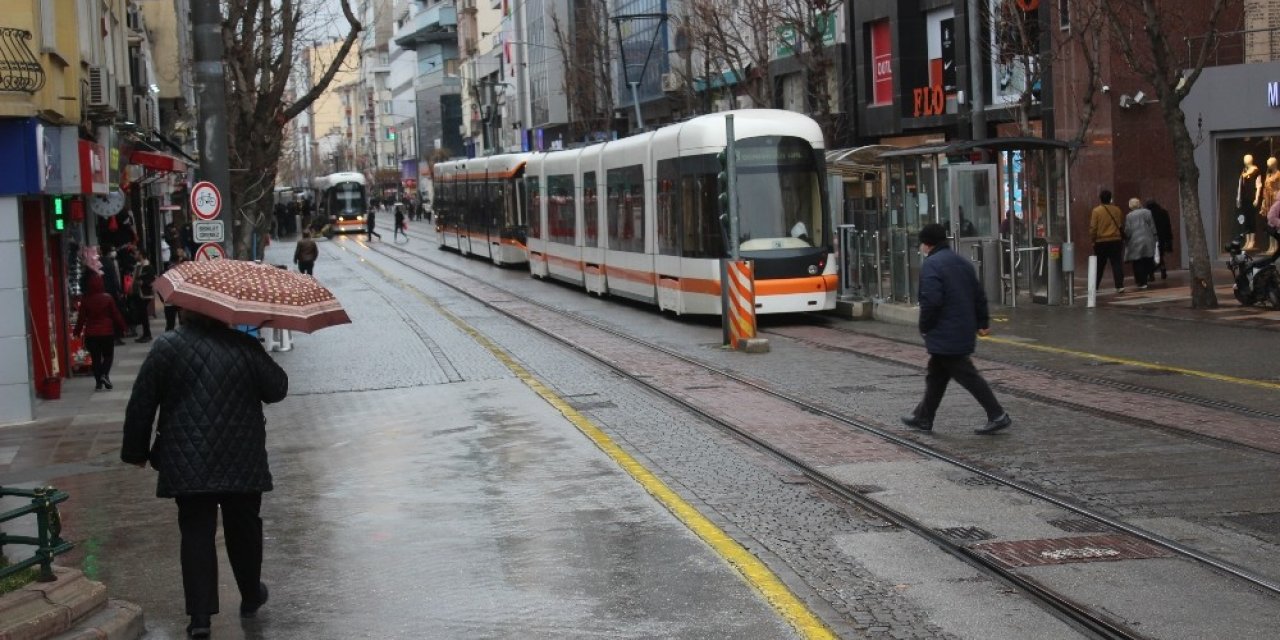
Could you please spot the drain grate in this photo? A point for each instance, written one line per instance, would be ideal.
(1080, 525)
(1036, 553)
(973, 534)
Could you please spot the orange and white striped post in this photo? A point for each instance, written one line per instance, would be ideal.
(737, 278)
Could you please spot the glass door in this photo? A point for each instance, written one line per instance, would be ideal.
(973, 220)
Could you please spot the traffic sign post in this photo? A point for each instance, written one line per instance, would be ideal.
(211, 251)
(204, 231)
(206, 201)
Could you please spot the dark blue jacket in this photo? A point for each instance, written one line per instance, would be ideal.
(953, 306)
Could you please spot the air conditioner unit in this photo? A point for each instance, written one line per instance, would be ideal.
(102, 88)
(672, 82)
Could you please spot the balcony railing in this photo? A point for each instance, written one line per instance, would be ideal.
(20, 70)
(1236, 47)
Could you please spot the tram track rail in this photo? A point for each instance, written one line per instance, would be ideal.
(1078, 615)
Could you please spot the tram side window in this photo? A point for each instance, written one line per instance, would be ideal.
(590, 210)
(668, 208)
(626, 208)
(494, 206)
(534, 198)
(703, 232)
(561, 214)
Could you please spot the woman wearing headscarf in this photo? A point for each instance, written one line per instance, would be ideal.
(1140, 242)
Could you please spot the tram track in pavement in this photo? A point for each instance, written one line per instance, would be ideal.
(1082, 616)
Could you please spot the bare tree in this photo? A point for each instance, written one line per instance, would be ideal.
(262, 43)
(1148, 35)
(733, 38)
(585, 50)
(810, 21)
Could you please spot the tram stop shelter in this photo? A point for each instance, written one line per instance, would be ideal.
(1004, 202)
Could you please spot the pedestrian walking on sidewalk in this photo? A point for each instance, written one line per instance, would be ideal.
(100, 322)
(1164, 237)
(953, 312)
(210, 451)
(142, 298)
(1106, 223)
(1140, 242)
(400, 225)
(176, 257)
(305, 254)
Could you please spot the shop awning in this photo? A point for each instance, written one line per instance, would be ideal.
(157, 161)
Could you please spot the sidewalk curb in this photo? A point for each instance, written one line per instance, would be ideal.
(43, 610)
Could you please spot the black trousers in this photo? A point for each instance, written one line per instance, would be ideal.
(942, 369)
(170, 317)
(1112, 252)
(1144, 270)
(307, 267)
(242, 530)
(102, 351)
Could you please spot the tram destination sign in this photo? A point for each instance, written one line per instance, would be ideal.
(205, 231)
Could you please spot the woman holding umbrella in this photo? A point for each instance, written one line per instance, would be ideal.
(209, 382)
(210, 450)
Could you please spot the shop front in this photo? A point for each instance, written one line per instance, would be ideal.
(1239, 170)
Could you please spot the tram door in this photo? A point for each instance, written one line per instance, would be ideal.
(974, 220)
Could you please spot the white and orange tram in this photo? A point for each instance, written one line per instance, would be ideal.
(639, 217)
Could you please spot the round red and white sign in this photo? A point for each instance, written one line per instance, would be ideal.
(206, 202)
(210, 251)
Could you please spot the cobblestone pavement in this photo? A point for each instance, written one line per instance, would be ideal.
(1086, 441)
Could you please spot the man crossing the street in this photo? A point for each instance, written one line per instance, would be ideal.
(953, 312)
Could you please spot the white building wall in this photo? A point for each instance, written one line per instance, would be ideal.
(16, 393)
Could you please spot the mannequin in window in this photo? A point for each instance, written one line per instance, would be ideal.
(1248, 201)
(1270, 193)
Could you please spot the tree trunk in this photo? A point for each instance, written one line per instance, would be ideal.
(1202, 293)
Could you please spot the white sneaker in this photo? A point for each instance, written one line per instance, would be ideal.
(1120, 290)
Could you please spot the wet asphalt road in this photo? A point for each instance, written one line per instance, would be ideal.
(422, 491)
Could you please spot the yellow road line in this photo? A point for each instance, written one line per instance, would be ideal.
(1208, 375)
(755, 572)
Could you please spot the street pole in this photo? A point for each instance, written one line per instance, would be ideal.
(206, 38)
(731, 167)
(635, 100)
(977, 101)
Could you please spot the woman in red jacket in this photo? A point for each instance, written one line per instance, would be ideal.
(100, 322)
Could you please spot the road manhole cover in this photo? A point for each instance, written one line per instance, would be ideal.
(1035, 553)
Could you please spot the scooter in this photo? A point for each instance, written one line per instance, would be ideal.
(1256, 280)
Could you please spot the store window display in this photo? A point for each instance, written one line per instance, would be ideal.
(1248, 202)
(1242, 188)
(1270, 193)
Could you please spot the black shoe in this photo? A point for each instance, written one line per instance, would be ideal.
(995, 425)
(199, 627)
(917, 423)
(249, 610)
(143, 339)
(106, 382)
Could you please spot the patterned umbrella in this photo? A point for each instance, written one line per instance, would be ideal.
(250, 293)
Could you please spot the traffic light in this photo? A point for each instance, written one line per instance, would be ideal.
(722, 185)
(391, 133)
(59, 217)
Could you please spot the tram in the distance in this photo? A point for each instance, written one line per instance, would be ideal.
(341, 200)
(639, 217)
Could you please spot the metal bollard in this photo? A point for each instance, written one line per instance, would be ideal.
(1092, 300)
(285, 342)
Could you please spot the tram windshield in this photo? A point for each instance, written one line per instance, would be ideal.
(780, 203)
(345, 199)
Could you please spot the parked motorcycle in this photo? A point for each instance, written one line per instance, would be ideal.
(1256, 279)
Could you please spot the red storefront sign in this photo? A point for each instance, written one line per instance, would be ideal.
(93, 168)
(881, 63)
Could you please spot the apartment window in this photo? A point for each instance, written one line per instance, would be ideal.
(1064, 14)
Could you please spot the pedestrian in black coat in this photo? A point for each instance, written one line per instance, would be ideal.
(1164, 235)
(953, 312)
(208, 382)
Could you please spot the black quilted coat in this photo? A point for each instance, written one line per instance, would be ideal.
(209, 383)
